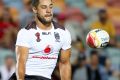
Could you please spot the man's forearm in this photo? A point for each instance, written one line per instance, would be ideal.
(65, 71)
(20, 71)
(22, 53)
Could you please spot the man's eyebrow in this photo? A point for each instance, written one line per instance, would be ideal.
(51, 4)
(45, 5)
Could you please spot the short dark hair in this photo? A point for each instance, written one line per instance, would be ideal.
(35, 3)
(94, 52)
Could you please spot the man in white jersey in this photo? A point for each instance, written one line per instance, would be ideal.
(39, 44)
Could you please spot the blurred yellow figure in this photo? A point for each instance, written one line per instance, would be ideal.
(108, 26)
(104, 24)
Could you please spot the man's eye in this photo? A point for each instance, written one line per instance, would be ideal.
(43, 7)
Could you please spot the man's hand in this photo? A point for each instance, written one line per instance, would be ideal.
(22, 54)
(64, 65)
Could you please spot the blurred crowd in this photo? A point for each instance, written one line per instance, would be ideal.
(79, 17)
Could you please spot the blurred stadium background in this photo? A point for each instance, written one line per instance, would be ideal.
(79, 16)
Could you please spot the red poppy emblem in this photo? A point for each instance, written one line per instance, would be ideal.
(47, 50)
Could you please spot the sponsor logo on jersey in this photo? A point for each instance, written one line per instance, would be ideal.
(44, 57)
(46, 33)
(57, 36)
(46, 51)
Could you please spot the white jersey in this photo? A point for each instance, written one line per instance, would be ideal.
(44, 47)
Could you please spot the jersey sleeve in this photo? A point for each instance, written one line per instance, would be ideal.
(23, 38)
(66, 40)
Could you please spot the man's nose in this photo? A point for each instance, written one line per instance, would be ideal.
(48, 10)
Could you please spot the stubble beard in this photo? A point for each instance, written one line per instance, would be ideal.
(43, 21)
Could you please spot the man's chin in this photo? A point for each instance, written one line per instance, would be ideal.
(45, 21)
(48, 21)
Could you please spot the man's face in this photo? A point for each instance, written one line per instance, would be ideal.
(44, 11)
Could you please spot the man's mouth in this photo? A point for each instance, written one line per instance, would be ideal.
(48, 15)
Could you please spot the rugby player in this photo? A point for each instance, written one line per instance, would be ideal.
(40, 43)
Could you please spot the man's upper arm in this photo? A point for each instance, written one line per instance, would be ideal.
(66, 40)
(22, 52)
(66, 47)
(65, 55)
(22, 45)
(23, 38)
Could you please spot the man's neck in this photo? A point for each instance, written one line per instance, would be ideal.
(43, 26)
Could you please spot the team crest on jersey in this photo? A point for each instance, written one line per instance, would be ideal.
(57, 36)
(38, 37)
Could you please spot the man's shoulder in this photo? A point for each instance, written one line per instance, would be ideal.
(58, 26)
(31, 25)
(24, 32)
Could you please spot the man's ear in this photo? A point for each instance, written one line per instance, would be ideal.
(34, 10)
